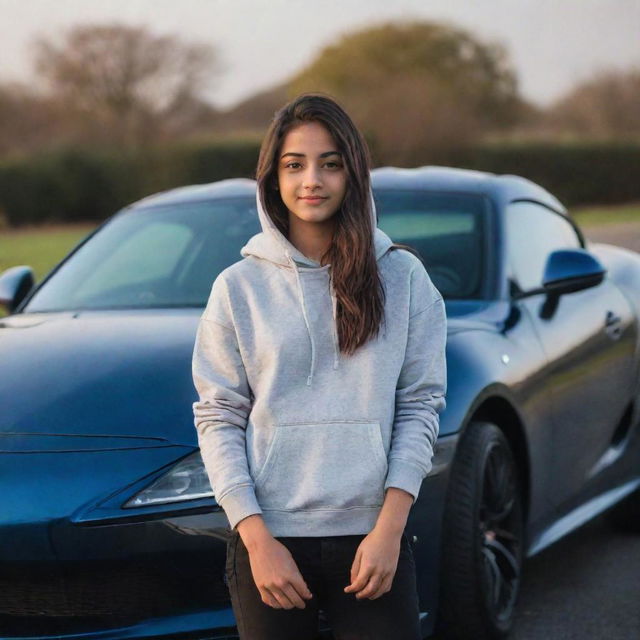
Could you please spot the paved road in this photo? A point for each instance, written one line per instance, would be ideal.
(624, 234)
(584, 587)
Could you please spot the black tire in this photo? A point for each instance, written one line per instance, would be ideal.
(625, 516)
(482, 547)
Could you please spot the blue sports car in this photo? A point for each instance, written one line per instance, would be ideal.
(108, 527)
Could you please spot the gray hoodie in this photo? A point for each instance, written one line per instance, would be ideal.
(291, 428)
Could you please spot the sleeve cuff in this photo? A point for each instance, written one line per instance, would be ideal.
(240, 504)
(405, 475)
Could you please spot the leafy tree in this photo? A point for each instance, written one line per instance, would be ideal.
(417, 88)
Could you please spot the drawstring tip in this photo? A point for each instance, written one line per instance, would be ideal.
(309, 381)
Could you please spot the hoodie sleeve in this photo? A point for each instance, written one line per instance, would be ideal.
(421, 388)
(220, 415)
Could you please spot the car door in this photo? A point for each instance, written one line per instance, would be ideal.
(589, 339)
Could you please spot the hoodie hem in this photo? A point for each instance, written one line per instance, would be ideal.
(321, 522)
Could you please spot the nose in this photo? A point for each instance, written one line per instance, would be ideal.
(311, 178)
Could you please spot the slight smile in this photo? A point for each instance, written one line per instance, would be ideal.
(312, 199)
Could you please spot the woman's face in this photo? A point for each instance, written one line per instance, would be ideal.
(312, 176)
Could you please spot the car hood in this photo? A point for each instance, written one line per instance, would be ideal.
(120, 379)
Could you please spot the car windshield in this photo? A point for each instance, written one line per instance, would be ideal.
(162, 256)
(169, 256)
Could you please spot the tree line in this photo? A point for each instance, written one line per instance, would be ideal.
(417, 89)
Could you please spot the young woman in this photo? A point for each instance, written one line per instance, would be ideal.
(320, 367)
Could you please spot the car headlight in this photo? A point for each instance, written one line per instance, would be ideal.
(187, 480)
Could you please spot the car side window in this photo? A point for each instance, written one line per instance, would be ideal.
(448, 232)
(533, 232)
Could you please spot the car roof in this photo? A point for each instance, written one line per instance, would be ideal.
(502, 188)
(229, 188)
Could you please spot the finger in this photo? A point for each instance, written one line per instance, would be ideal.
(384, 587)
(371, 587)
(361, 580)
(281, 597)
(301, 587)
(355, 566)
(269, 600)
(355, 569)
(294, 596)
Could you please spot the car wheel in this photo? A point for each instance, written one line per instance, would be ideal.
(482, 546)
(625, 516)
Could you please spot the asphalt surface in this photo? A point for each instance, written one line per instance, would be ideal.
(584, 587)
(624, 234)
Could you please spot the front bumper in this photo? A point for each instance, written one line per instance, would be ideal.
(165, 577)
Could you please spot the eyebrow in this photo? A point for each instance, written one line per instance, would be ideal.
(302, 155)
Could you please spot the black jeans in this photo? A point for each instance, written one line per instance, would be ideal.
(325, 564)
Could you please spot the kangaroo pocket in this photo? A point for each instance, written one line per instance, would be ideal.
(323, 465)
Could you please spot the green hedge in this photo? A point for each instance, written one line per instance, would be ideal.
(577, 173)
(72, 184)
(69, 186)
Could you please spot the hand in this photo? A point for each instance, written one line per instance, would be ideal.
(375, 564)
(277, 576)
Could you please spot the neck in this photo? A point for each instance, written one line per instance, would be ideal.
(313, 239)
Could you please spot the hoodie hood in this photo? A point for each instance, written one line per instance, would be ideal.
(273, 246)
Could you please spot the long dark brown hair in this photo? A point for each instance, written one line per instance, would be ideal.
(354, 270)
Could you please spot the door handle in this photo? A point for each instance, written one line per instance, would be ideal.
(613, 325)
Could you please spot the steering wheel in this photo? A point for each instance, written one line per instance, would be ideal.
(446, 279)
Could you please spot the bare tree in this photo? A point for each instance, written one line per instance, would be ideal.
(125, 85)
(605, 106)
(26, 119)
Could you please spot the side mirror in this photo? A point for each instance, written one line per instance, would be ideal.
(568, 270)
(15, 284)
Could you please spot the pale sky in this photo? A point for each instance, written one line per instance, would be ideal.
(552, 43)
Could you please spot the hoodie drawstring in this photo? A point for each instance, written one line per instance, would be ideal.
(306, 319)
(334, 304)
(312, 366)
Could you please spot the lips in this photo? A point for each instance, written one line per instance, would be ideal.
(314, 198)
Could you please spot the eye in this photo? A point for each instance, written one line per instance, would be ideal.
(332, 165)
(289, 165)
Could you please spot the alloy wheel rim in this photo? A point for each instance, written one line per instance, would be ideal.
(499, 534)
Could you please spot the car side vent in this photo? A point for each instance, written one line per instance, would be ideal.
(624, 426)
